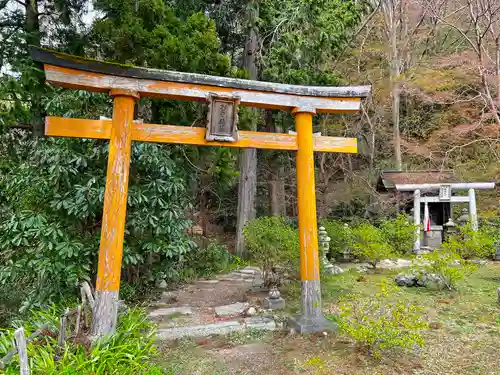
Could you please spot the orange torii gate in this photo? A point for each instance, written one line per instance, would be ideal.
(126, 84)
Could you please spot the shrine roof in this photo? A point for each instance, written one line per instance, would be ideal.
(55, 58)
(389, 179)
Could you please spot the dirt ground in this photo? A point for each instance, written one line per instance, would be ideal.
(463, 335)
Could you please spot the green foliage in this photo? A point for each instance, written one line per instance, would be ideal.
(129, 351)
(153, 36)
(469, 243)
(300, 37)
(447, 265)
(378, 323)
(339, 236)
(51, 194)
(272, 243)
(368, 243)
(211, 260)
(399, 232)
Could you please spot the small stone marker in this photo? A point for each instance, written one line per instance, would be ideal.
(498, 293)
(274, 301)
(237, 308)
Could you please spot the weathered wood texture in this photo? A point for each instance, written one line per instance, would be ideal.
(306, 198)
(22, 351)
(53, 58)
(78, 79)
(8, 357)
(78, 319)
(113, 218)
(101, 129)
(86, 295)
(61, 338)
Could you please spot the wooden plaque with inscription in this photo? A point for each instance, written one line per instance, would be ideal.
(222, 119)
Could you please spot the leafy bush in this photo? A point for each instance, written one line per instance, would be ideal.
(368, 243)
(213, 259)
(339, 237)
(129, 351)
(446, 264)
(399, 232)
(381, 322)
(273, 244)
(51, 200)
(469, 243)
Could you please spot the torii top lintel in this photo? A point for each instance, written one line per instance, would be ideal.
(92, 75)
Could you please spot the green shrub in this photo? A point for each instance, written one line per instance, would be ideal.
(368, 243)
(339, 237)
(213, 259)
(469, 243)
(129, 351)
(273, 244)
(446, 264)
(399, 232)
(381, 322)
(51, 201)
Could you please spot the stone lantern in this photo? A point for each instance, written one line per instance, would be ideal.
(464, 217)
(324, 247)
(450, 229)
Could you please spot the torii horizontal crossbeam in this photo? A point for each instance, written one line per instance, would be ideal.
(101, 129)
(99, 76)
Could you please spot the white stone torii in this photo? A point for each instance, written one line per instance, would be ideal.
(471, 198)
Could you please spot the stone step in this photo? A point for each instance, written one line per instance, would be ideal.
(242, 275)
(168, 311)
(221, 328)
(237, 308)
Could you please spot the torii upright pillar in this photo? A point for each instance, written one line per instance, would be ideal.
(223, 96)
(312, 318)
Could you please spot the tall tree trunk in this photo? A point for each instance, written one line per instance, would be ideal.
(396, 96)
(32, 29)
(497, 69)
(247, 188)
(276, 185)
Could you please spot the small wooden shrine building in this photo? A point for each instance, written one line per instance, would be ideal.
(437, 191)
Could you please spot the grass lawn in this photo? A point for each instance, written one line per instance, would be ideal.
(463, 337)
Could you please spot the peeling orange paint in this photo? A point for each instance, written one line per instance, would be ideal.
(306, 191)
(115, 195)
(79, 79)
(101, 129)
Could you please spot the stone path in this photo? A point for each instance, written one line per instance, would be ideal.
(221, 305)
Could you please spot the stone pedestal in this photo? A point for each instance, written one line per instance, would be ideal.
(434, 238)
(274, 303)
(311, 318)
(302, 324)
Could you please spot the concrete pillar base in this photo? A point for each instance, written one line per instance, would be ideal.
(303, 324)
